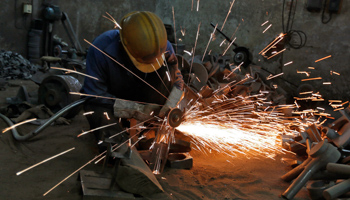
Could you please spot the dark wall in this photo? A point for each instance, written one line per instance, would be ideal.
(86, 17)
(245, 20)
(245, 23)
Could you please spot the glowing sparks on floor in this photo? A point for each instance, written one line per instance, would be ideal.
(231, 141)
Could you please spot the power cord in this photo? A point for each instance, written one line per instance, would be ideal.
(290, 33)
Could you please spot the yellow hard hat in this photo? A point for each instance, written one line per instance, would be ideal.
(144, 38)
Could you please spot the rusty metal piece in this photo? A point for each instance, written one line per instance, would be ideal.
(54, 92)
(180, 146)
(321, 154)
(299, 144)
(180, 160)
(337, 190)
(97, 186)
(346, 160)
(313, 133)
(255, 86)
(206, 91)
(316, 188)
(340, 122)
(330, 133)
(292, 174)
(344, 139)
(241, 90)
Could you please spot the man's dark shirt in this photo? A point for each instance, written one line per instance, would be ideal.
(116, 82)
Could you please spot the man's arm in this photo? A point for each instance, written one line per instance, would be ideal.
(172, 62)
(96, 67)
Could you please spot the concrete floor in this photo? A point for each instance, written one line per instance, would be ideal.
(213, 176)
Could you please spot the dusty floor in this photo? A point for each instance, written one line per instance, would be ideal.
(213, 176)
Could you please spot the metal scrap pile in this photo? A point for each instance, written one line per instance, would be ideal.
(215, 73)
(326, 171)
(14, 66)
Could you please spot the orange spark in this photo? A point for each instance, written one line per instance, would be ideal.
(183, 31)
(310, 79)
(21, 172)
(303, 72)
(18, 124)
(323, 58)
(336, 73)
(345, 103)
(98, 128)
(267, 28)
(337, 101)
(228, 46)
(272, 44)
(271, 77)
(112, 20)
(288, 63)
(228, 13)
(309, 92)
(88, 113)
(72, 71)
(106, 114)
(339, 109)
(277, 53)
(264, 23)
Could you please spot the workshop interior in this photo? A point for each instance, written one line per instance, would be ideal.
(262, 111)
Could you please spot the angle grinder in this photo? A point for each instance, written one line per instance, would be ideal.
(175, 117)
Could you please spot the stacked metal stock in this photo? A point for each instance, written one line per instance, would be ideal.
(326, 171)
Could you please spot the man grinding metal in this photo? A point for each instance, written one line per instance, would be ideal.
(137, 73)
(142, 48)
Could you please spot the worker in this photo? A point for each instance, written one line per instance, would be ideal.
(134, 65)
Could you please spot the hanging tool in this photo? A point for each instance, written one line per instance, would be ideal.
(242, 54)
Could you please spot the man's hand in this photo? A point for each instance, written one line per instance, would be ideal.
(131, 109)
(174, 99)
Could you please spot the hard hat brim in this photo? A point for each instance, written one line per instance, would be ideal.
(146, 67)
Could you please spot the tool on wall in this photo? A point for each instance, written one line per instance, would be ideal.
(242, 54)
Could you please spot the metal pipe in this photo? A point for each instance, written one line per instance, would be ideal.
(339, 168)
(337, 190)
(29, 135)
(321, 154)
(292, 174)
(326, 175)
